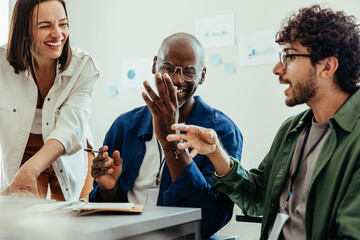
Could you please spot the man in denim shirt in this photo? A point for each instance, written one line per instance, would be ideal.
(144, 167)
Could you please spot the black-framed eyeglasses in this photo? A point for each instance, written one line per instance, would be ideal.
(189, 73)
(283, 58)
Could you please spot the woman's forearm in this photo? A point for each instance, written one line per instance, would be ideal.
(48, 153)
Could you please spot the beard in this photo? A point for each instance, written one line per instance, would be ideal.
(304, 89)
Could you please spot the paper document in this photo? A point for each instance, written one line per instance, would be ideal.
(104, 206)
(83, 207)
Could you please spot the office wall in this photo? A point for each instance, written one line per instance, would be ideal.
(116, 30)
(4, 21)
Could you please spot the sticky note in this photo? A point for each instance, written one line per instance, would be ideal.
(215, 60)
(112, 91)
(229, 67)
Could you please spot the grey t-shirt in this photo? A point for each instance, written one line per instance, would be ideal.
(294, 228)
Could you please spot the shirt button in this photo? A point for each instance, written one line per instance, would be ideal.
(140, 153)
(129, 183)
(47, 123)
(61, 171)
(301, 122)
(48, 99)
(67, 189)
(272, 205)
(14, 110)
(288, 140)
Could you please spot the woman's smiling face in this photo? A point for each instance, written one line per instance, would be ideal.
(49, 31)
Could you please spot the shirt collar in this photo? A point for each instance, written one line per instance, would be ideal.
(345, 117)
(305, 118)
(349, 113)
(201, 114)
(146, 128)
(69, 71)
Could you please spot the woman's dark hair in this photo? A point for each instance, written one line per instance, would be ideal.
(18, 46)
(327, 33)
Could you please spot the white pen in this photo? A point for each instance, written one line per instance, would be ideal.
(92, 150)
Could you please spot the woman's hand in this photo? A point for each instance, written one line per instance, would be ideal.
(24, 183)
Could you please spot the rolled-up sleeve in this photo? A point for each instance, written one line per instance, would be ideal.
(72, 107)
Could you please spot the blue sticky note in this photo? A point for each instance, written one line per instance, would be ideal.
(112, 91)
(229, 68)
(215, 60)
(131, 74)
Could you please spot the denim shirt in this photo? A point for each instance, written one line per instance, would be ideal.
(333, 204)
(128, 134)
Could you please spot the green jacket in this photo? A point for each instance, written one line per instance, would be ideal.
(333, 205)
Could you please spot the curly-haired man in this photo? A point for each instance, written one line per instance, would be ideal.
(307, 186)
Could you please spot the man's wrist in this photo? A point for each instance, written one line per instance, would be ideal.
(108, 195)
(220, 159)
(217, 152)
(168, 145)
(223, 175)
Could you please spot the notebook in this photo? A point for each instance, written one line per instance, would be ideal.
(83, 207)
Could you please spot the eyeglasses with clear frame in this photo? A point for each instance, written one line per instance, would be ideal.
(188, 73)
(283, 58)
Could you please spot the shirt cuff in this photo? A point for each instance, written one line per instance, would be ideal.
(231, 168)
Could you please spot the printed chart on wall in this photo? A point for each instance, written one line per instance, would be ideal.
(135, 71)
(258, 48)
(216, 31)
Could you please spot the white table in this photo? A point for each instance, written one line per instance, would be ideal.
(152, 223)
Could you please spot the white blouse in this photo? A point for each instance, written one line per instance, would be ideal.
(65, 115)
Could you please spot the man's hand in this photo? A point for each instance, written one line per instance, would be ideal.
(164, 107)
(106, 170)
(165, 112)
(201, 140)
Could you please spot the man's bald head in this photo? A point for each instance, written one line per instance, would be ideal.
(183, 42)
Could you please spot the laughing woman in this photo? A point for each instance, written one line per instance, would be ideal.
(46, 88)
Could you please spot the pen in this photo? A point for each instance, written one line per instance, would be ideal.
(91, 150)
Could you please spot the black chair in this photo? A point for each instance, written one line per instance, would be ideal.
(245, 218)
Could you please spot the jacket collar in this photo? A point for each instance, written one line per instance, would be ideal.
(69, 71)
(345, 117)
(304, 119)
(146, 127)
(349, 113)
(201, 114)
